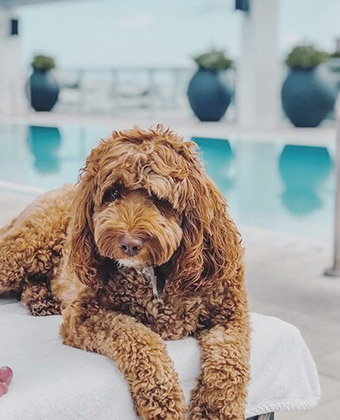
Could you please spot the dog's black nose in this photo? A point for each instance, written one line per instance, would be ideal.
(130, 245)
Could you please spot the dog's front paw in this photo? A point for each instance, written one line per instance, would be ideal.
(203, 412)
(215, 404)
(162, 402)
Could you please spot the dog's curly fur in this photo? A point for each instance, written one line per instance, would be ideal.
(63, 250)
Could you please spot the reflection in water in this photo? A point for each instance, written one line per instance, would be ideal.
(44, 143)
(218, 157)
(304, 170)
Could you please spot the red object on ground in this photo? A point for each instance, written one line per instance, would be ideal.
(3, 388)
(6, 375)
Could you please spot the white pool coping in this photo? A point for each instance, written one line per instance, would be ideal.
(13, 187)
(187, 126)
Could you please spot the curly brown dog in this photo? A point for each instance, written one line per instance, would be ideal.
(140, 250)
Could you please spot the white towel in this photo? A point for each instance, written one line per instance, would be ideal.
(56, 382)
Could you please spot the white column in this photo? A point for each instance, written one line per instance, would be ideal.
(12, 75)
(259, 71)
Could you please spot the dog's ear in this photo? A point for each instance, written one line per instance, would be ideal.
(210, 250)
(83, 258)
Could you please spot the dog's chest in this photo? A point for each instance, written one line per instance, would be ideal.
(169, 314)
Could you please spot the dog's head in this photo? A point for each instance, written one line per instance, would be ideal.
(135, 227)
(143, 199)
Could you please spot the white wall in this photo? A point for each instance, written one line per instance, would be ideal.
(12, 76)
(258, 73)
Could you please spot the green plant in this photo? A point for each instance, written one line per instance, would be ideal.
(336, 54)
(213, 60)
(306, 57)
(334, 64)
(43, 63)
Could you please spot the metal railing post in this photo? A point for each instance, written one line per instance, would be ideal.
(81, 96)
(334, 271)
(114, 88)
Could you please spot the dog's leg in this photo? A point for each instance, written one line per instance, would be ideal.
(31, 245)
(222, 385)
(139, 353)
(39, 300)
(221, 388)
(24, 254)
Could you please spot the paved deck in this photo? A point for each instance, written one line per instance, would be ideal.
(284, 276)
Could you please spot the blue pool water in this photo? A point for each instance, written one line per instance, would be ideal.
(275, 186)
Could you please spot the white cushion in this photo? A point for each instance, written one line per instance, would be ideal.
(57, 382)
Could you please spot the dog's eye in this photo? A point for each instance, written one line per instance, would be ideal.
(161, 203)
(111, 195)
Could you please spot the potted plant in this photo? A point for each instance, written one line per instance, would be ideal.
(43, 88)
(334, 62)
(306, 97)
(209, 95)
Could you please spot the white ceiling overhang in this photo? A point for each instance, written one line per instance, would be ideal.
(15, 3)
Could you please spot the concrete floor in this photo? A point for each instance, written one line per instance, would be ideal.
(284, 277)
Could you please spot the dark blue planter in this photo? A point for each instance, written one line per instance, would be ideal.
(306, 98)
(44, 91)
(208, 95)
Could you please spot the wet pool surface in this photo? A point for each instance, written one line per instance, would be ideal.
(279, 187)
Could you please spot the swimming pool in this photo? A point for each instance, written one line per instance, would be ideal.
(279, 187)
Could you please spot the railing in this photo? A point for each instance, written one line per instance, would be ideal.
(120, 90)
